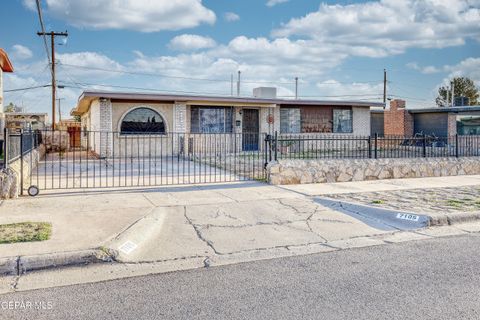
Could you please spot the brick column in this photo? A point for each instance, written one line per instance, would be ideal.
(397, 120)
(452, 124)
(106, 134)
(361, 121)
(179, 126)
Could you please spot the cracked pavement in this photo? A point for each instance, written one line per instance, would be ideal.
(208, 223)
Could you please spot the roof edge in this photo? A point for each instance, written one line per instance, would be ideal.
(90, 95)
(5, 62)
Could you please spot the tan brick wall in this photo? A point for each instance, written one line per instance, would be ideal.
(452, 124)
(397, 120)
(361, 121)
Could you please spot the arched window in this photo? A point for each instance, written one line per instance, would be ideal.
(142, 121)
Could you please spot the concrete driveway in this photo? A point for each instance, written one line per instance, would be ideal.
(81, 170)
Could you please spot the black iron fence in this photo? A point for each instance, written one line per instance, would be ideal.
(100, 159)
(311, 146)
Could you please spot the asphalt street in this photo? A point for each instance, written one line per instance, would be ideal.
(428, 279)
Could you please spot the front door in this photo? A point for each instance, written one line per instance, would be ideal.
(250, 129)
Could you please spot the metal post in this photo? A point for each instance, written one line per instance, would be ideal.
(453, 93)
(275, 145)
(369, 147)
(5, 149)
(238, 83)
(424, 145)
(456, 145)
(21, 162)
(296, 88)
(376, 145)
(267, 141)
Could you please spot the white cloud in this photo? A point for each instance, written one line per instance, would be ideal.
(231, 16)
(424, 70)
(271, 3)
(76, 68)
(187, 42)
(335, 90)
(21, 52)
(386, 27)
(30, 4)
(469, 67)
(138, 15)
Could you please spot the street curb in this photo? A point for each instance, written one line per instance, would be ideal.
(137, 234)
(8, 265)
(22, 264)
(462, 217)
(432, 220)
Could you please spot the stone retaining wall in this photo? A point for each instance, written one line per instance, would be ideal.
(10, 178)
(321, 171)
(8, 184)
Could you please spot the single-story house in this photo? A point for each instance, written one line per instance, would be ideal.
(127, 115)
(25, 120)
(468, 125)
(439, 121)
(5, 66)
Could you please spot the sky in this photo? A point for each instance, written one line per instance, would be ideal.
(337, 49)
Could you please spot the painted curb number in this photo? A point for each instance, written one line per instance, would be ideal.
(128, 247)
(406, 216)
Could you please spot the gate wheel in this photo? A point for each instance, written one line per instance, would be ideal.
(33, 191)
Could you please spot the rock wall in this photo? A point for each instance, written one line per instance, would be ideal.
(321, 171)
(10, 178)
(8, 184)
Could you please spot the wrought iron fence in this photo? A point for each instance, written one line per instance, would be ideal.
(312, 146)
(100, 159)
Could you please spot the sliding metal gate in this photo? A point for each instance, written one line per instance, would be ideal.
(74, 159)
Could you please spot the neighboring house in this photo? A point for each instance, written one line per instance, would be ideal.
(73, 127)
(127, 115)
(16, 121)
(5, 66)
(441, 122)
(468, 125)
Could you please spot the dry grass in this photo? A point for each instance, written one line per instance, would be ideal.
(25, 232)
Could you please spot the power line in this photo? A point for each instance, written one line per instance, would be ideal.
(82, 85)
(160, 75)
(27, 88)
(39, 11)
(141, 73)
(410, 98)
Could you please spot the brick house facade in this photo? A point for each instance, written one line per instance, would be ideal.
(104, 113)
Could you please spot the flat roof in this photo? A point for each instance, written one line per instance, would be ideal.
(5, 63)
(88, 96)
(459, 109)
(25, 113)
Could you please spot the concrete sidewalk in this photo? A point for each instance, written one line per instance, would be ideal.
(323, 189)
(210, 223)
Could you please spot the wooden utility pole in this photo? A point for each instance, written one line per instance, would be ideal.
(54, 83)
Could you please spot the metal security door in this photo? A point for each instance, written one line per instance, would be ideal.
(250, 129)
